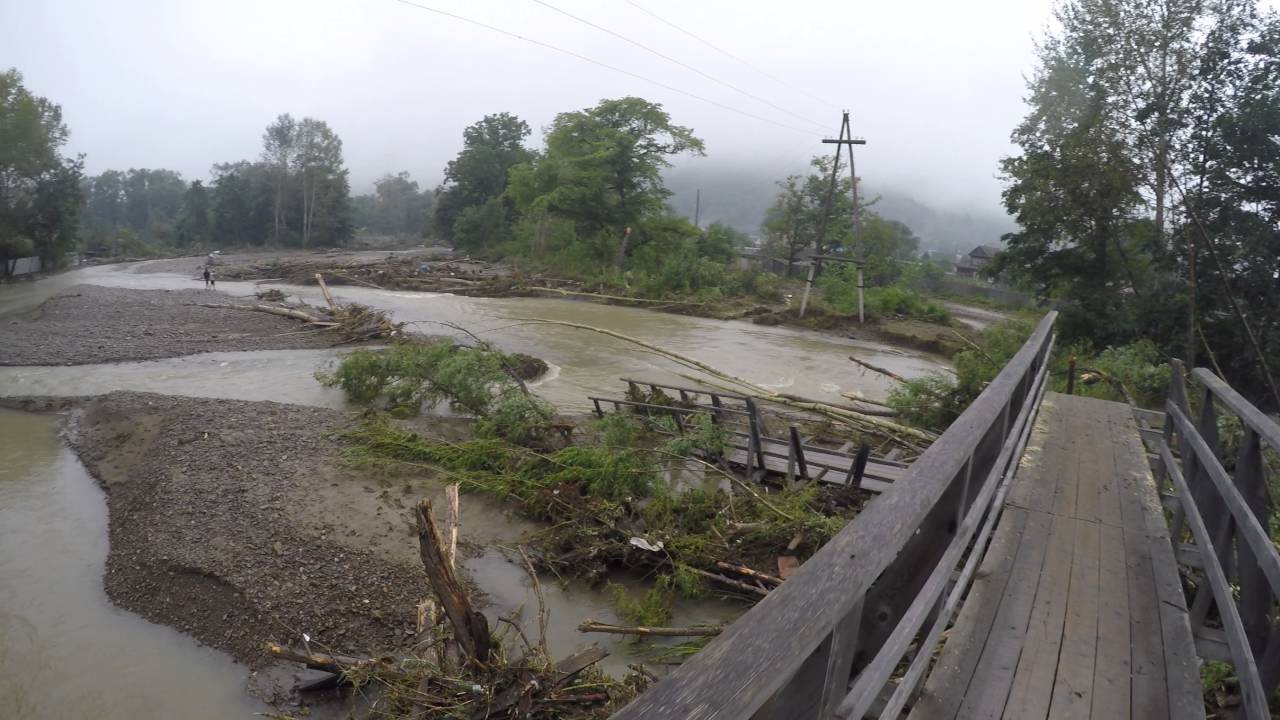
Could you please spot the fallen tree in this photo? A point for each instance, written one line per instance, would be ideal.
(353, 322)
(472, 677)
(844, 415)
(470, 629)
(593, 626)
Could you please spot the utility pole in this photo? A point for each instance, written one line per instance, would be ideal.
(697, 207)
(845, 139)
(859, 259)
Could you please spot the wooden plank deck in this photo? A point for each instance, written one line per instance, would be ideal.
(1077, 611)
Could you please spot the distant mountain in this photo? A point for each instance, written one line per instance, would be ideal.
(945, 230)
(739, 195)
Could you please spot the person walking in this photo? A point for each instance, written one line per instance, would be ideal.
(208, 276)
(213, 279)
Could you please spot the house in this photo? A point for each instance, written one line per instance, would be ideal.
(978, 258)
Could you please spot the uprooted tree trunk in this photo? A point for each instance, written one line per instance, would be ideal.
(324, 661)
(470, 629)
(354, 322)
(504, 689)
(273, 310)
(592, 626)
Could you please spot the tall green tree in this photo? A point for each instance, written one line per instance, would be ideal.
(1146, 183)
(242, 206)
(1146, 53)
(104, 203)
(478, 177)
(795, 221)
(279, 154)
(602, 169)
(324, 185)
(40, 190)
(152, 202)
(1230, 234)
(195, 227)
(1074, 189)
(396, 207)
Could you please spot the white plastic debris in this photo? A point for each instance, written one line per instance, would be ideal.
(646, 545)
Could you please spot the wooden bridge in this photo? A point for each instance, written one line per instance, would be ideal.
(1049, 556)
(749, 447)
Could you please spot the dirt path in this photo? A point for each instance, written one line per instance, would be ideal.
(91, 324)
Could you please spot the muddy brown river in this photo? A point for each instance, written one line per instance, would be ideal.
(583, 363)
(65, 651)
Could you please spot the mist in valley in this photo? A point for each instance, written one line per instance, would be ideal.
(935, 89)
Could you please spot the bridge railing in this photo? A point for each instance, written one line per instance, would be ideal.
(825, 642)
(1228, 515)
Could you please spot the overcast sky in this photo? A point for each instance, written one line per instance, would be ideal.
(935, 86)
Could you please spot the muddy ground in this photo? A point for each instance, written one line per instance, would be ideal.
(91, 324)
(240, 523)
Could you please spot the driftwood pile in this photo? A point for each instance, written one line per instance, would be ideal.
(351, 322)
(460, 276)
(271, 295)
(457, 668)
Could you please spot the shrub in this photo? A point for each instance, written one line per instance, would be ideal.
(839, 286)
(653, 609)
(472, 380)
(1140, 367)
(901, 300)
(936, 400)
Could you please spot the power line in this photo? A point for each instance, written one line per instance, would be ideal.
(670, 59)
(730, 55)
(605, 65)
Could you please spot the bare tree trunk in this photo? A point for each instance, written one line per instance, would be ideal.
(311, 221)
(278, 206)
(622, 249)
(306, 210)
(1191, 306)
(470, 628)
(1161, 182)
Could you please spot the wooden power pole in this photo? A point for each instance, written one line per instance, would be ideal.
(859, 259)
(847, 140)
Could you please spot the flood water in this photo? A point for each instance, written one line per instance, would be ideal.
(65, 650)
(286, 376)
(511, 594)
(797, 361)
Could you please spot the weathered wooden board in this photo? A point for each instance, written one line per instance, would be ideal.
(1095, 627)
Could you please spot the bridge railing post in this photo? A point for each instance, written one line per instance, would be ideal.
(850, 613)
(818, 686)
(1228, 514)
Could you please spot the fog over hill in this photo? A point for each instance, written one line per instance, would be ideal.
(740, 194)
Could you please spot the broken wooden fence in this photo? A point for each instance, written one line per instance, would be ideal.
(751, 448)
(825, 643)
